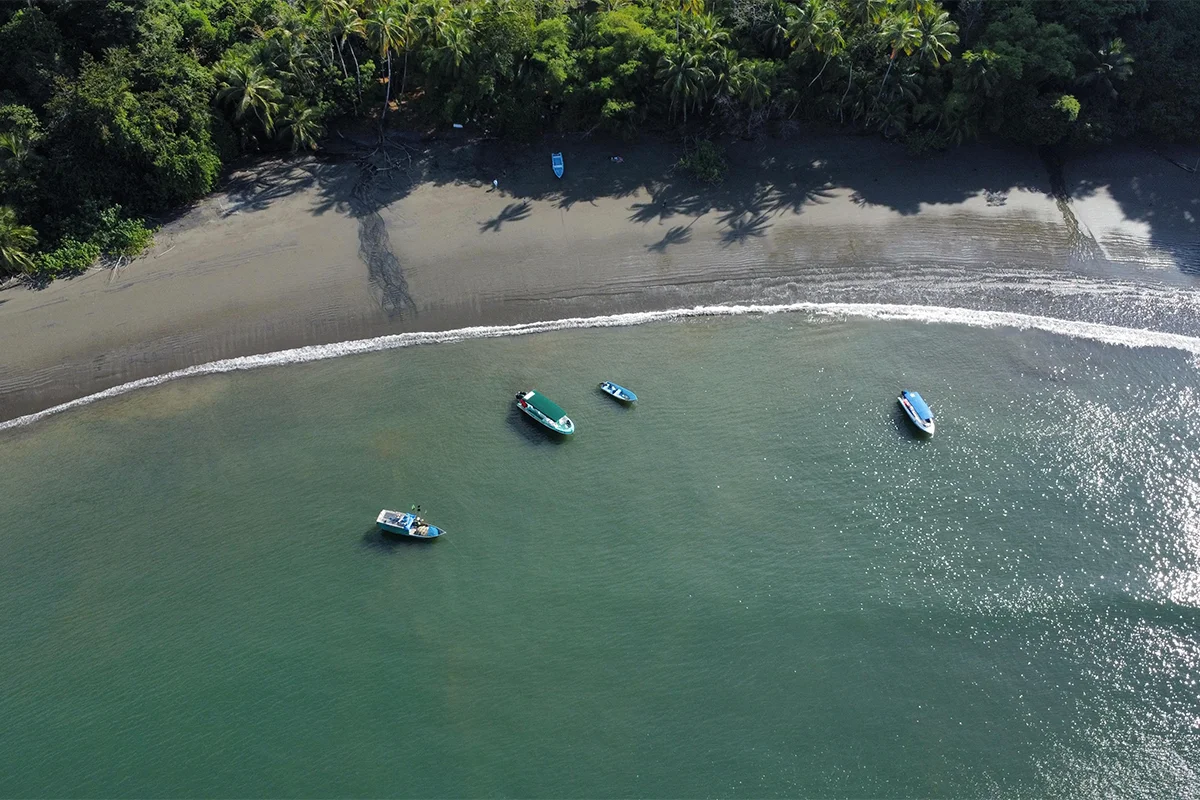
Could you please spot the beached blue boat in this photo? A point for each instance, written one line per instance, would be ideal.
(545, 411)
(620, 392)
(917, 410)
(405, 524)
(557, 162)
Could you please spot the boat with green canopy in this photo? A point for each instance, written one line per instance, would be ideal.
(545, 411)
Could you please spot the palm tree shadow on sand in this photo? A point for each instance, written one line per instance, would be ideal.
(677, 235)
(742, 228)
(513, 212)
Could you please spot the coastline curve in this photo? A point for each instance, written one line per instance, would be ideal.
(1098, 332)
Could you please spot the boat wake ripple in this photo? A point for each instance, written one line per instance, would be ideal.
(1106, 334)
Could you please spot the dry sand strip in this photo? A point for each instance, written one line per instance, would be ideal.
(310, 252)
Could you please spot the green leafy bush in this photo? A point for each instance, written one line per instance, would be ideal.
(117, 235)
(70, 258)
(705, 162)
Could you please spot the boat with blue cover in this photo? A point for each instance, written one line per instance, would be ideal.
(545, 411)
(403, 523)
(917, 410)
(619, 392)
(556, 161)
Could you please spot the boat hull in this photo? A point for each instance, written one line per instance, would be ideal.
(397, 523)
(926, 427)
(618, 392)
(556, 162)
(563, 425)
(433, 532)
(546, 422)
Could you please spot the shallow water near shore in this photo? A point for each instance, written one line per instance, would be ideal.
(756, 582)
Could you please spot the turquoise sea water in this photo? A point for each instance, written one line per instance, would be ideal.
(758, 582)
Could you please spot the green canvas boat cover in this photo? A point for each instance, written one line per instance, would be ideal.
(546, 406)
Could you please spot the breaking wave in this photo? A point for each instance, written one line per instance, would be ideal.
(1106, 334)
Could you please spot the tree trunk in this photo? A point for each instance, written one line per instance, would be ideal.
(342, 58)
(842, 104)
(357, 73)
(387, 93)
(404, 79)
(891, 61)
(822, 72)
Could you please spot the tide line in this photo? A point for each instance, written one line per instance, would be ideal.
(1106, 334)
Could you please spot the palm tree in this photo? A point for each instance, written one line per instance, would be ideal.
(751, 89)
(954, 117)
(287, 52)
(726, 71)
(774, 35)
(392, 26)
(248, 90)
(18, 144)
(384, 30)
(454, 50)
(436, 19)
(684, 76)
(410, 35)
(681, 6)
(303, 126)
(705, 33)
(346, 23)
(981, 75)
(872, 11)
(16, 242)
(319, 14)
(1110, 65)
(583, 30)
(899, 31)
(817, 26)
(938, 34)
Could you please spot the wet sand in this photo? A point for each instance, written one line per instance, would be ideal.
(313, 251)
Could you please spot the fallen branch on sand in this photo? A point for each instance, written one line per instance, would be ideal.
(1183, 167)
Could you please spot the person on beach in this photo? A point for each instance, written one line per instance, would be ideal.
(495, 184)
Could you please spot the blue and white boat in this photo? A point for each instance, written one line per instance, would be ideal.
(918, 411)
(405, 524)
(557, 162)
(620, 392)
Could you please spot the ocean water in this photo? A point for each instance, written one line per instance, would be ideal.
(757, 582)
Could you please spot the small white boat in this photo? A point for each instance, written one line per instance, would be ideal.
(917, 410)
(557, 162)
(620, 392)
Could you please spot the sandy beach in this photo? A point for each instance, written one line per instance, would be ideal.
(315, 250)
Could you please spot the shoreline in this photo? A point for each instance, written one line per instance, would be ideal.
(1105, 334)
(299, 253)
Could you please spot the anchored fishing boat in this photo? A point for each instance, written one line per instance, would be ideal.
(545, 411)
(405, 524)
(619, 392)
(917, 410)
(557, 162)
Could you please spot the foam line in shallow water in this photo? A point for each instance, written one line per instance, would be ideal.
(1107, 334)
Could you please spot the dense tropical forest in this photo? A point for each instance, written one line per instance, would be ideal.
(113, 112)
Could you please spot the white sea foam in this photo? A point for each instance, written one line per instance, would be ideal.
(1107, 334)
